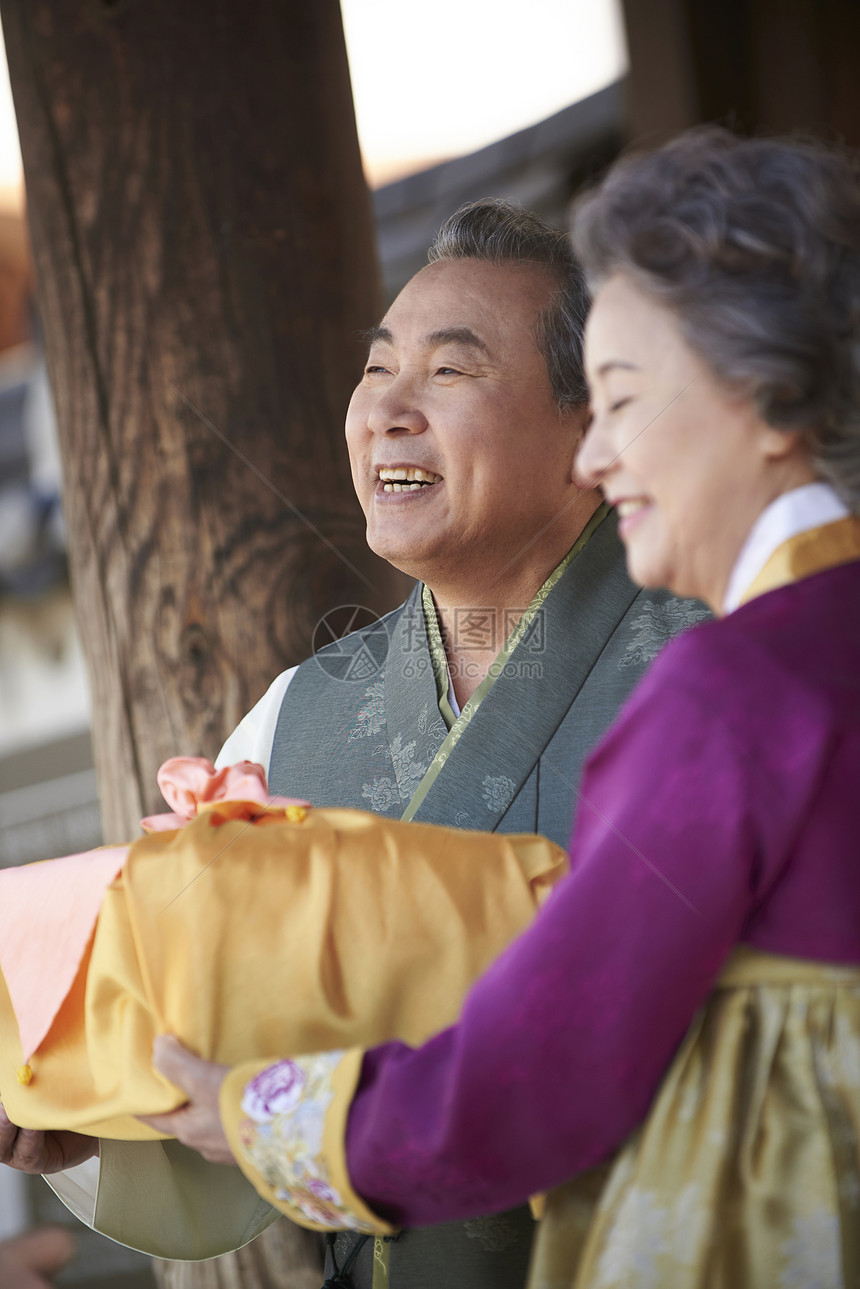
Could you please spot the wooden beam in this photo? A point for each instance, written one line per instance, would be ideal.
(661, 90)
(773, 65)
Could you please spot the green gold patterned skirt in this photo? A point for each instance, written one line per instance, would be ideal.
(746, 1173)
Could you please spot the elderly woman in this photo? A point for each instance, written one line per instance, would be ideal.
(687, 1004)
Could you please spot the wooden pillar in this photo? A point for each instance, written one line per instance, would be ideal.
(774, 65)
(205, 261)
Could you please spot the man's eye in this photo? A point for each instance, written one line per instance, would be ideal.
(373, 369)
(448, 371)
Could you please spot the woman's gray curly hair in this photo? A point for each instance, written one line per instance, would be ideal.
(755, 245)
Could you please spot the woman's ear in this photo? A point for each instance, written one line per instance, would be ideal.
(781, 444)
(785, 456)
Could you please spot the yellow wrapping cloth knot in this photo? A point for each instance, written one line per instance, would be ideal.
(24, 1075)
(295, 814)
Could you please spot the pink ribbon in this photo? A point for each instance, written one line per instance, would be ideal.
(190, 783)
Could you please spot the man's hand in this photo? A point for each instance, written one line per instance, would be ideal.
(27, 1261)
(198, 1123)
(42, 1152)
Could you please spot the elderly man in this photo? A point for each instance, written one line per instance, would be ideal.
(475, 702)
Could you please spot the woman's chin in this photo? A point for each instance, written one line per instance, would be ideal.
(644, 569)
(660, 576)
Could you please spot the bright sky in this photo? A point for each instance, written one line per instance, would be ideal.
(10, 153)
(435, 80)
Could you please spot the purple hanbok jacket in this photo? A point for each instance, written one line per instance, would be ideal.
(722, 808)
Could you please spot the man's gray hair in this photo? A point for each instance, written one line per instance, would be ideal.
(501, 232)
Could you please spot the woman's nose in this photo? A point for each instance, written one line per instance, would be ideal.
(594, 456)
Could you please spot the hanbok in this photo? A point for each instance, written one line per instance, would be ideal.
(679, 1029)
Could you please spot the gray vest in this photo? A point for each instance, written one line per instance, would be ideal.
(360, 726)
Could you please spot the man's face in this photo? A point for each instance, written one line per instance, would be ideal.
(458, 450)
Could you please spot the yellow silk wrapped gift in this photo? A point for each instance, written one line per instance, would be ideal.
(255, 930)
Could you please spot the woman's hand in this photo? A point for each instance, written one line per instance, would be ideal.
(198, 1123)
(42, 1152)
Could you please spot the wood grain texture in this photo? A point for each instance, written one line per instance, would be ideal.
(205, 262)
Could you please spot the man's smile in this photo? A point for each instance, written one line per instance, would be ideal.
(406, 479)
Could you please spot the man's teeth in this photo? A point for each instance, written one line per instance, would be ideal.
(630, 506)
(407, 480)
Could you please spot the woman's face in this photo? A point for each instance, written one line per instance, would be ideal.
(686, 461)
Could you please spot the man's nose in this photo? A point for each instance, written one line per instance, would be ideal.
(396, 410)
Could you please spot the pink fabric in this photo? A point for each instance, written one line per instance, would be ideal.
(49, 912)
(50, 909)
(189, 783)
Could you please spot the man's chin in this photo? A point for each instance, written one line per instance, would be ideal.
(413, 558)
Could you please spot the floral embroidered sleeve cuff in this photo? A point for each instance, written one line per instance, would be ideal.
(286, 1124)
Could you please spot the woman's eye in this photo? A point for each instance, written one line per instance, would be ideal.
(448, 371)
(618, 404)
(373, 368)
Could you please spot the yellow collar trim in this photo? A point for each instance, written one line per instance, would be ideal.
(808, 553)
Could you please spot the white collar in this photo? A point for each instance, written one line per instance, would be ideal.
(452, 697)
(810, 506)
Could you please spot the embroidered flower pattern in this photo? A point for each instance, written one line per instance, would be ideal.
(408, 771)
(655, 626)
(648, 1235)
(276, 1090)
(282, 1136)
(432, 726)
(381, 795)
(498, 791)
(370, 718)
